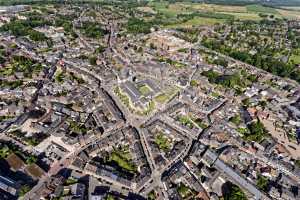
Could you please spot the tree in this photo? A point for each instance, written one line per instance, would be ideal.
(93, 60)
(194, 83)
(221, 61)
(140, 50)
(37, 36)
(233, 192)
(93, 30)
(257, 132)
(262, 183)
(246, 102)
(23, 190)
(235, 119)
(211, 75)
(263, 104)
(100, 49)
(135, 26)
(31, 159)
(152, 46)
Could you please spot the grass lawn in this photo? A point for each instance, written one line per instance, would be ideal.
(218, 8)
(171, 9)
(164, 97)
(197, 21)
(162, 141)
(295, 58)
(244, 16)
(261, 9)
(144, 90)
(289, 14)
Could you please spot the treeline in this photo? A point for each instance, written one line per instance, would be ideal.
(136, 25)
(93, 30)
(230, 81)
(260, 60)
(206, 15)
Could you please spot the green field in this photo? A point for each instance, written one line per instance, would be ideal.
(244, 16)
(166, 96)
(169, 10)
(144, 90)
(198, 21)
(261, 9)
(243, 13)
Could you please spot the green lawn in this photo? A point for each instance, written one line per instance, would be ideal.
(295, 58)
(244, 16)
(162, 98)
(162, 141)
(169, 10)
(197, 21)
(167, 95)
(261, 9)
(144, 90)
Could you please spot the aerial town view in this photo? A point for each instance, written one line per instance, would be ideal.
(150, 99)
